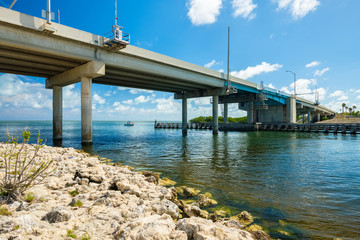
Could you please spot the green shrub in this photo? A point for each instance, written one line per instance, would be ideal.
(74, 193)
(208, 119)
(29, 197)
(78, 203)
(85, 237)
(71, 234)
(4, 211)
(22, 166)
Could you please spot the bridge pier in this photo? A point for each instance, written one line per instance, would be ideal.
(86, 110)
(225, 112)
(291, 110)
(250, 112)
(215, 108)
(57, 113)
(184, 115)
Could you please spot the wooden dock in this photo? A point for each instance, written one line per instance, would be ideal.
(204, 126)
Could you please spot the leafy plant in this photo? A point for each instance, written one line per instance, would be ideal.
(22, 165)
(85, 237)
(29, 197)
(4, 211)
(70, 233)
(77, 203)
(73, 193)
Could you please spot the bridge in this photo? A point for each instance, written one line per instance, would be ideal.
(63, 55)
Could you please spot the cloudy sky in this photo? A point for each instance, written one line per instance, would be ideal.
(318, 40)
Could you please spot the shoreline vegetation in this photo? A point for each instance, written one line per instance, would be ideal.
(88, 197)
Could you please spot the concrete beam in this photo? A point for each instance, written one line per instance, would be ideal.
(92, 69)
(184, 116)
(250, 112)
(215, 108)
(226, 113)
(57, 113)
(86, 110)
(201, 93)
(291, 110)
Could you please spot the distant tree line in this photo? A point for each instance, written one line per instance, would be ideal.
(349, 110)
(209, 119)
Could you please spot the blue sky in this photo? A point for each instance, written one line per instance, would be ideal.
(318, 40)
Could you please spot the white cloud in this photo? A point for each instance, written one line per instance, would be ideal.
(342, 98)
(133, 90)
(167, 105)
(312, 64)
(211, 64)
(137, 91)
(142, 99)
(337, 93)
(17, 92)
(71, 98)
(204, 11)
(298, 8)
(305, 89)
(358, 97)
(271, 86)
(130, 101)
(98, 99)
(321, 72)
(244, 9)
(119, 107)
(221, 70)
(357, 91)
(200, 101)
(250, 72)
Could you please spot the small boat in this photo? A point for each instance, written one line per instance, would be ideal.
(129, 123)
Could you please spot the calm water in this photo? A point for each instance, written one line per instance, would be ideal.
(306, 184)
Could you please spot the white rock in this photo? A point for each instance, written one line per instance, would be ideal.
(27, 222)
(199, 228)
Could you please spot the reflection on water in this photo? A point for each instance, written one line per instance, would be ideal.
(304, 184)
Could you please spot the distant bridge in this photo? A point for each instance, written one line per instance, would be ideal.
(63, 55)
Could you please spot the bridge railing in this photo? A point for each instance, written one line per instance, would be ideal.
(275, 91)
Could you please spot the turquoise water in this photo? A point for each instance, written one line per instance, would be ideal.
(305, 184)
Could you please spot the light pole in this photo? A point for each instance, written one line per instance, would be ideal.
(294, 81)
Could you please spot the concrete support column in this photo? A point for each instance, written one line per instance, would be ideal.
(303, 118)
(215, 108)
(291, 110)
(57, 112)
(86, 110)
(250, 112)
(309, 117)
(184, 116)
(225, 113)
(318, 117)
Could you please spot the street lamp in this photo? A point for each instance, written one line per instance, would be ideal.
(294, 81)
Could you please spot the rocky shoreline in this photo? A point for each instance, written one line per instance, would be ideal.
(85, 198)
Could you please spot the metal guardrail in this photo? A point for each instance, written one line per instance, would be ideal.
(116, 37)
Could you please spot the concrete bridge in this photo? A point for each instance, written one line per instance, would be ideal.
(63, 55)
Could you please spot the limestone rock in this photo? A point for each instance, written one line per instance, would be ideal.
(192, 211)
(6, 225)
(187, 191)
(199, 228)
(205, 201)
(27, 222)
(166, 207)
(152, 227)
(260, 235)
(58, 214)
(244, 217)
